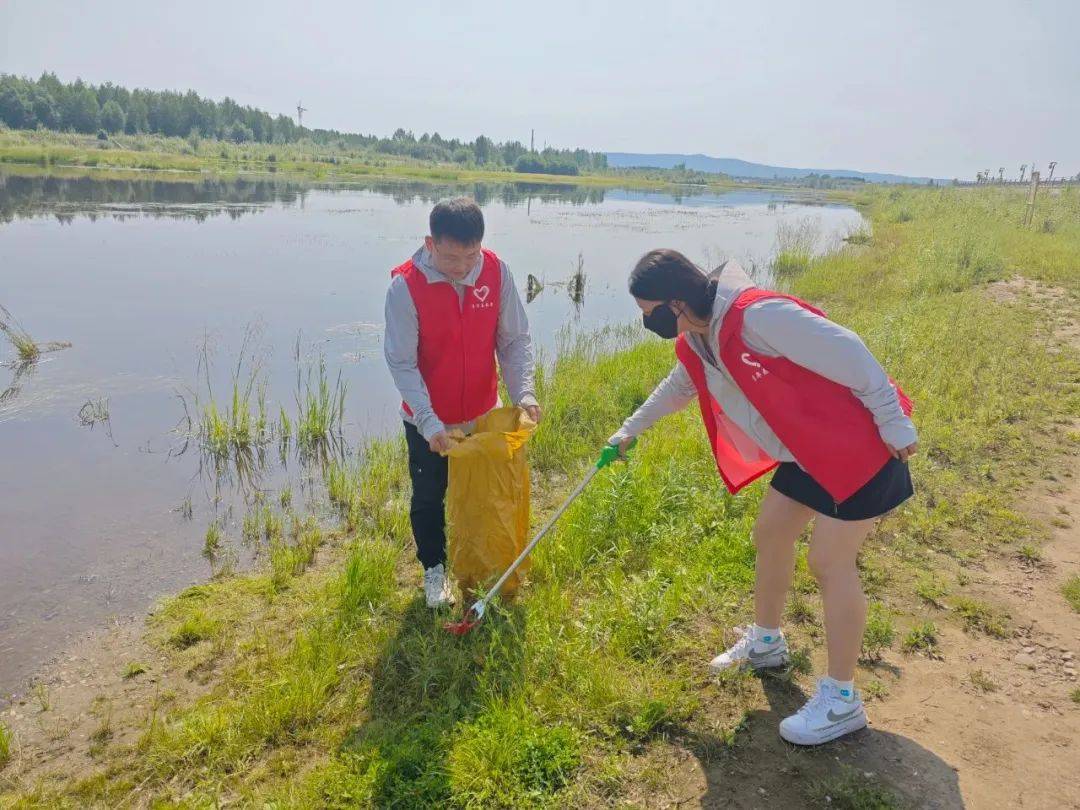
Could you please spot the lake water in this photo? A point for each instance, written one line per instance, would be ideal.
(146, 277)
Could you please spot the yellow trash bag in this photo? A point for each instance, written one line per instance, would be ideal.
(487, 500)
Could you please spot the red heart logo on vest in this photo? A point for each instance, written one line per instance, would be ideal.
(481, 293)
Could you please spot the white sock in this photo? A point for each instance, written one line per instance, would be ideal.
(766, 635)
(845, 688)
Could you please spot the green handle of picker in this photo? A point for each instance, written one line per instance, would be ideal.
(610, 453)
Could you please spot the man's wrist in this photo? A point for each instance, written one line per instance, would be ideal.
(432, 428)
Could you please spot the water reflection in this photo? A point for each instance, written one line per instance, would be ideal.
(64, 198)
(27, 194)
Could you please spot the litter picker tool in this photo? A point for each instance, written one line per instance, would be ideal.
(475, 613)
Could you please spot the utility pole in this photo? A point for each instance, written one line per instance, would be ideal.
(1001, 175)
(532, 140)
(1053, 165)
(300, 110)
(1023, 168)
(1031, 197)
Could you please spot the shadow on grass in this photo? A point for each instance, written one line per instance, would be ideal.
(427, 683)
(869, 769)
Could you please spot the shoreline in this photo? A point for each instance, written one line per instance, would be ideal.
(84, 156)
(624, 599)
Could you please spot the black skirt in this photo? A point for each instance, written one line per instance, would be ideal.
(889, 488)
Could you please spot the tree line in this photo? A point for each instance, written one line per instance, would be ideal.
(109, 109)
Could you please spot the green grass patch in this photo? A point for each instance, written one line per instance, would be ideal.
(6, 744)
(134, 670)
(1030, 554)
(978, 616)
(921, 638)
(931, 588)
(1070, 589)
(193, 629)
(850, 790)
(879, 633)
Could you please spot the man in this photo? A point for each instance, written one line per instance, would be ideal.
(450, 311)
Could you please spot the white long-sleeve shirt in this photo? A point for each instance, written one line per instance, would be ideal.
(776, 328)
(513, 345)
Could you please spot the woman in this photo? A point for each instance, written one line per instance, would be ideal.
(781, 387)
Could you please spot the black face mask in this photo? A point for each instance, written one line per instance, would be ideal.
(662, 321)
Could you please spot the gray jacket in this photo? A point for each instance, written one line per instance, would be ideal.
(513, 346)
(776, 328)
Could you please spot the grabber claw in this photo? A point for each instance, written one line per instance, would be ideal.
(468, 621)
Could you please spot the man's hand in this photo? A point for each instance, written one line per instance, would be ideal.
(440, 442)
(903, 453)
(534, 413)
(624, 446)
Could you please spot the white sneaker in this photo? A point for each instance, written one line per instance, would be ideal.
(825, 717)
(437, 587)
(752, 653)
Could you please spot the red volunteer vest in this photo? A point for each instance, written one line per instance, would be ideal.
(829, 431)
(456, 352)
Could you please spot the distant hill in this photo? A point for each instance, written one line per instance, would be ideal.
(742, 168)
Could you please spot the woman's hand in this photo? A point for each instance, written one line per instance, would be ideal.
(903, 453)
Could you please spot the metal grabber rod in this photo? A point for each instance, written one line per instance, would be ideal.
(474, 614)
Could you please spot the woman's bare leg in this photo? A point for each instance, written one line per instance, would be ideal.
(834, 548)
(778, 526)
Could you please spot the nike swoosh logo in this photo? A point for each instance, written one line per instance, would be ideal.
(836, 718)
(756, 656)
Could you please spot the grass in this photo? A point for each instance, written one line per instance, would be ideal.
(931, 589)
(93, 412)
(979, 616)
(921, 638)
(41, 695)
(212, 541)
(982, 681)
(795, 246)
(194, 628)
(290, 558)
(133, 670)
(333, 686)
(875, 689)
(1029, 554)
(239, 429)
(320, 408)
(306, 160)
(850, 790)
(26, 348)
(5, 745)
(879, 634)
(1070, 589)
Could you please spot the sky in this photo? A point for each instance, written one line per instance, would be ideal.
(942, 88)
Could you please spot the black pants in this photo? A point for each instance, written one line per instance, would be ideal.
(427, 512)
